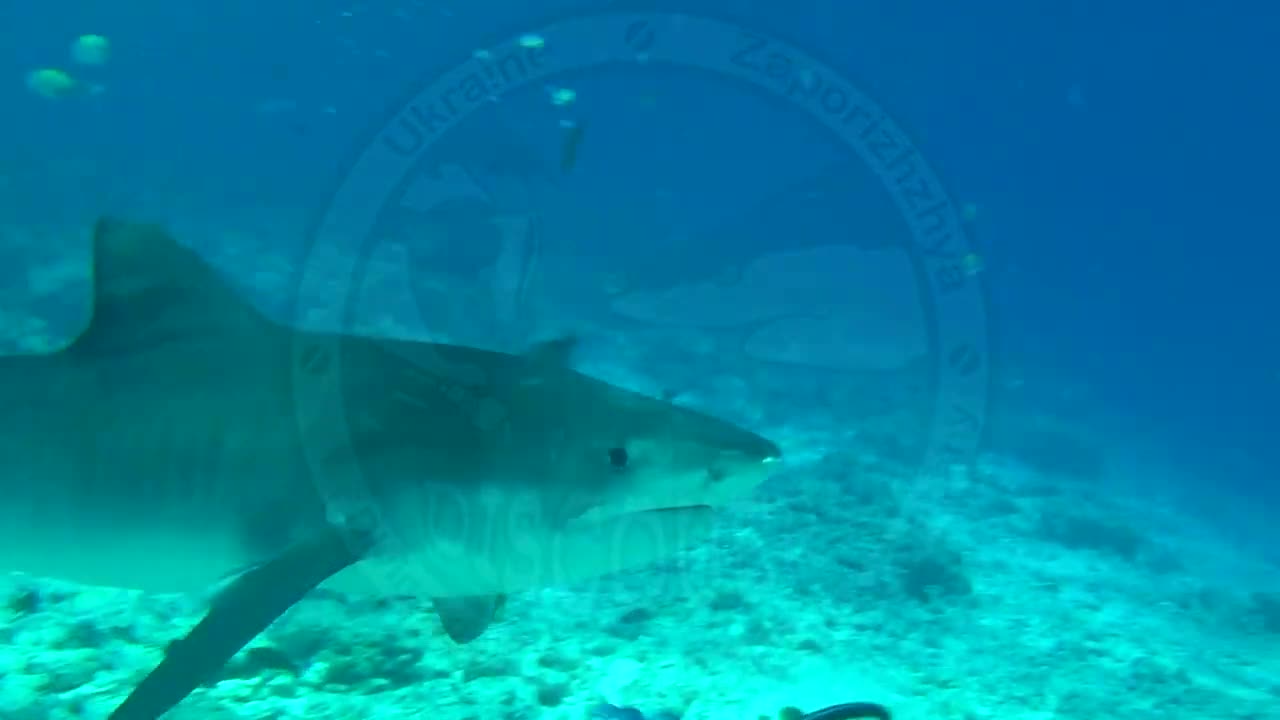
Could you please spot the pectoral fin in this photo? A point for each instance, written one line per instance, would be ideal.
(244, 608)
(466, 618)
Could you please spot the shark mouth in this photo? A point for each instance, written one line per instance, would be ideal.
(676, 508)
(596, 515)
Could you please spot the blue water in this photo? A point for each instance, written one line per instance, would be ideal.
(1121, 158)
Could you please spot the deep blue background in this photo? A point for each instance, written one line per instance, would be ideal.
(1131, 238)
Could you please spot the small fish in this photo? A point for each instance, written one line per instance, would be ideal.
(561, 96)
(573, 133)
(843, 711)
(605, 711)
(848, 711)
(972, 264)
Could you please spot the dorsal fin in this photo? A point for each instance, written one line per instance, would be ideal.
(557, 352)
(148, 289)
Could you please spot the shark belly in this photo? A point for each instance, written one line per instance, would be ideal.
(105, 549)
(509, 557)
(156, 544)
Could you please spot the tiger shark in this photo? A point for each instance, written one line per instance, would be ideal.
(176, 444)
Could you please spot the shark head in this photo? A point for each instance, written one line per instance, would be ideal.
(644, 454)
(511, 471)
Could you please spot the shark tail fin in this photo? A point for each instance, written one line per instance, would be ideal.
(149, 289)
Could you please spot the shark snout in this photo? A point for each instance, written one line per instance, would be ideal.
(757, 449)
(737, 474)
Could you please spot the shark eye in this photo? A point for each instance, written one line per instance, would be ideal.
(618, 457)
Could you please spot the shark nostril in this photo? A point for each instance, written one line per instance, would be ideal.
(716, 475)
